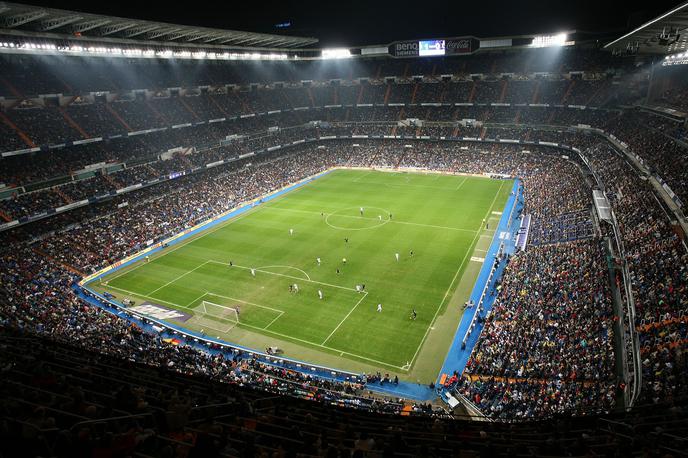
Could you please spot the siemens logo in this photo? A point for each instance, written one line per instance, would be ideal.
(409, 48)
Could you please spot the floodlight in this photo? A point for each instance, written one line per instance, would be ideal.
(335, 53)
(543, 41)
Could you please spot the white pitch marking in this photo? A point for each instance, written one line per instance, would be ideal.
(245, 302)
(288, 267)
(282, 275)
(144, 296)
(341, 352)
(184, 243)
(344, 319)
(175, 279)
(444, 298)
(380, 223)
(189, 304)
(434, 226)
(461, 184)
(356, 180)
(393, 221)
(276, 318)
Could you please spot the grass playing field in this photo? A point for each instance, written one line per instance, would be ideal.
(438, 217)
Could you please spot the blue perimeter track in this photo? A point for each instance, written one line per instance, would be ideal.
(456, 358)
(458, 355)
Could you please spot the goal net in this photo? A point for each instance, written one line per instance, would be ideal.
(222, 312)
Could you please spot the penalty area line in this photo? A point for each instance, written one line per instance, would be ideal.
(345, 318)
(199, 297)
(179, 277)
(181, 244)
(245, 302)
(268, 331)
(150, 298)
(308, 277)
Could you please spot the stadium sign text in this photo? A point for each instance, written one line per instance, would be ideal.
(460, 45)
(457, 45)
(404, 49)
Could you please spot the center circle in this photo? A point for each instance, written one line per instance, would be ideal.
(351, 219)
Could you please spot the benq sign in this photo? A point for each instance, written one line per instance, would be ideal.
(404, 49)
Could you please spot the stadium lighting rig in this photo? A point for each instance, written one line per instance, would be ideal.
(335, 53)
(546, 41)
(71, 49)
(676, 59)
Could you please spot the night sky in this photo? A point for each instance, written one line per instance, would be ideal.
(352, 23)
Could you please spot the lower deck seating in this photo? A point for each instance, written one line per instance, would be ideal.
(60, 401)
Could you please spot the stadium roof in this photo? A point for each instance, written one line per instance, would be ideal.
(666, 34)
(35, 21)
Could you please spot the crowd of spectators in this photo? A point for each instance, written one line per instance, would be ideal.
(576, 225)
(23, 169)
(547, 342)
(45, 124)
(663, 155)
(676, 97)
(147, 150)
(73, 76)
(657, 259)
(62, 401)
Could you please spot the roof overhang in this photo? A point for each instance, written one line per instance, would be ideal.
(665, 34)
(35, 20)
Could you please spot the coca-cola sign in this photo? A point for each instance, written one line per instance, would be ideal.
(460, 45)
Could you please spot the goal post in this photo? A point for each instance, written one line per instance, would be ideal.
(222, 312)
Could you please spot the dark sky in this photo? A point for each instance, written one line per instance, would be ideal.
(356, 22)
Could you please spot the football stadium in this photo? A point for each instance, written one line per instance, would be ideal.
(249, 236)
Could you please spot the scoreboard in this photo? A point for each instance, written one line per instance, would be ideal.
(437, 47)
(431, 48)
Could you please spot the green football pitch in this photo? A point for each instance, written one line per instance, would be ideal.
(355, 222)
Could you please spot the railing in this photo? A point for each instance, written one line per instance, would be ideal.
(76, 426)
(630, 316)
(474, 413)
(636, 382)
(493, 270)
(481, 300)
